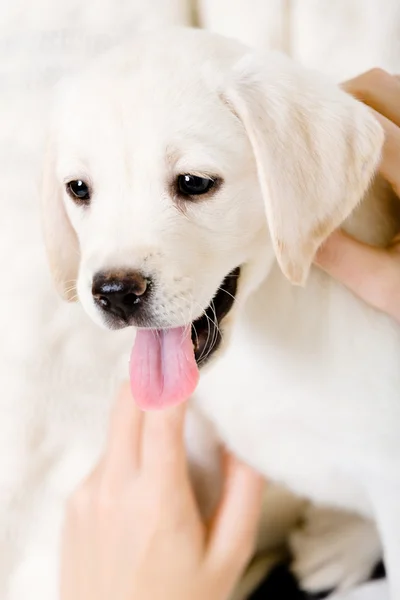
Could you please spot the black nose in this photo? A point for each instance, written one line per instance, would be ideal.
(120, 293)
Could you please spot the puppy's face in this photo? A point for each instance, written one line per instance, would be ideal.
(177, 168)
(159, 185)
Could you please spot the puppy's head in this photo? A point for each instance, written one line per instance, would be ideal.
(178, 168)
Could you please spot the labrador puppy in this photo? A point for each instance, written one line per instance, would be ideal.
(188, 185)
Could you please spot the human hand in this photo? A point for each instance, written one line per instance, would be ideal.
(372, 273)
(133, 529)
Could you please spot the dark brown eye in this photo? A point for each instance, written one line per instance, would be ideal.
(191, 185)
(79, 191)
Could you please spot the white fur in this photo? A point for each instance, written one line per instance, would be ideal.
(334, 547)
(298, 391)
(339, 38)
(59, 371)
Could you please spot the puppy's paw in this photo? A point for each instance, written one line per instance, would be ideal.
(333, 550)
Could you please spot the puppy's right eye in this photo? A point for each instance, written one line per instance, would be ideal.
(191, 185)
(79, 191)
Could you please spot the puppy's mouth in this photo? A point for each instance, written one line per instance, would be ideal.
(206, 330)
(164, 370)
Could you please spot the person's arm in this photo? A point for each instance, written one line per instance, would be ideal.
(133, 529)
(372, 273)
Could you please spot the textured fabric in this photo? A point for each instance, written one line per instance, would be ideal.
(372, 591)
(282, 585)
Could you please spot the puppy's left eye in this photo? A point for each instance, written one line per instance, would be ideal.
(79, 191)
(191, 185)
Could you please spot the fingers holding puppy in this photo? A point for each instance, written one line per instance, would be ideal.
(381, 91)
(372, 273)
(378, 89)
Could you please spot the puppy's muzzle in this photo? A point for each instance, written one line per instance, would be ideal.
(121, 294)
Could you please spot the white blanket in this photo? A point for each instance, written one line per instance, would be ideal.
(39, 40)
(376, 590)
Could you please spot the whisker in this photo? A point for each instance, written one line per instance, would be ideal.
(70, 289)
(210, 321)
(226, 292)
(208, 335)
(214, 321)
(196, 335)
(74, 298)
(216, 330)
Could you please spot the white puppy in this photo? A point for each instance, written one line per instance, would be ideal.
(181, 171)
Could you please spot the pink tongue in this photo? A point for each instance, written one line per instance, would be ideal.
(163, 368)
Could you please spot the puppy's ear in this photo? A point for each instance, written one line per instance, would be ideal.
(316, 150)
(60, 238)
